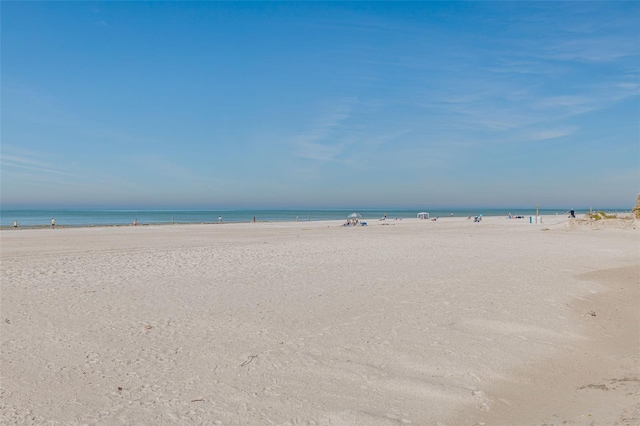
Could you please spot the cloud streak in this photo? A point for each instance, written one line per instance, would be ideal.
(31, 164)
(552, 133)
(317, 144)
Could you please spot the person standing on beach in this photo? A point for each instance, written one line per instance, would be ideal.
(53, 223)
(15, 224)
(219, 219)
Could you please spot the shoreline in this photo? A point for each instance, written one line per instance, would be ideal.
(36, 219)
(524, 219)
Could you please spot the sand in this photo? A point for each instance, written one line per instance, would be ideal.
(399, 322)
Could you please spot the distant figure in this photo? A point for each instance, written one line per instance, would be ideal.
(296, 218)
(385, 216)
(510, 217)
(219, 219)
(53, 223)
(254, 219)
(135, 222)
(15, 224)
(451, 214)
(572, 214)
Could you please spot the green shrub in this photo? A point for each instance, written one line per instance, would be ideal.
(601, 215)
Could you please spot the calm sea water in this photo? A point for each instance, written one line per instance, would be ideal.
(37, 218)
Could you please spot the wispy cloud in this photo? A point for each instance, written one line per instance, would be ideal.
(551, 133)
(316, 144)
(31, 165)
(592, 49)
(571, 105)
(47, 168)
(314, 150)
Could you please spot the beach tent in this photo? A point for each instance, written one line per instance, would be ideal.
(352, 219)
(423, 215)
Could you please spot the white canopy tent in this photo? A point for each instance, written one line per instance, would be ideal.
(353, 219)
(423, 215)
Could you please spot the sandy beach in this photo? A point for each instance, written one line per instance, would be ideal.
(400, 322)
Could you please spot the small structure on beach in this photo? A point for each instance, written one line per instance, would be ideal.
(353, 219)
(423, 215)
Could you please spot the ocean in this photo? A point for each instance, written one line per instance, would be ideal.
(33, 218)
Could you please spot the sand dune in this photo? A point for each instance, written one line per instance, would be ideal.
(413, 322)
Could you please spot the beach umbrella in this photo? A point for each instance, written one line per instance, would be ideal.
(354, 215)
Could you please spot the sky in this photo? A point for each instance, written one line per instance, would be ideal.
(320, 104)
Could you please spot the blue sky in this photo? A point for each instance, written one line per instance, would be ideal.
(328, 104)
